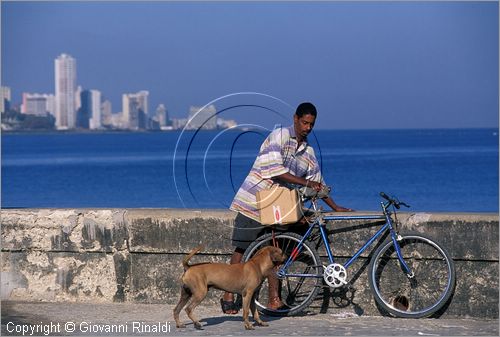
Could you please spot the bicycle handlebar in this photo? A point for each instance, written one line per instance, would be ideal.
(393, 200)
(310, 193)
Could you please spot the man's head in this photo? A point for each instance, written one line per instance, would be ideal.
(304, 119)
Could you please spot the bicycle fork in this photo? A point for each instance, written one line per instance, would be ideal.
(396, 238)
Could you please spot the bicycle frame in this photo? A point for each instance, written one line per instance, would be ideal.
(320, 222)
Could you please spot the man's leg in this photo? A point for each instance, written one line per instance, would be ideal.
(274, 301)
(229, 297)
(245, 231)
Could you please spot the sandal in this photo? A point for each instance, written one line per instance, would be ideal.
(228, 307)
(275, 304)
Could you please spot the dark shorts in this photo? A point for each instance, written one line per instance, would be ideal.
(247, 230)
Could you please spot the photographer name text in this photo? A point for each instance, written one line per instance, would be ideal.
(47, 329)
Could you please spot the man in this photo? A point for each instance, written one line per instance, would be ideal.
(284, 158)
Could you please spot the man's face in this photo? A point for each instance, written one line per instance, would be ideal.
(303, 125)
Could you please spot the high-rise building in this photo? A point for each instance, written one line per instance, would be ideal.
(106, 113)
(37, 104)
(34, 104)
(65, 91)
(89, 113)
(205, 118)
(161, 115)
(51, 104)
(143, 96)
(78, 97)
(95, 119)
(84, 112)
(135, 110)
(4, 98)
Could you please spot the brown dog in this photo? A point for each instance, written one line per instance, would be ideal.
(240, 278)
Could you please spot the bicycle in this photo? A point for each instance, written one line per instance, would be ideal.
(394, 270)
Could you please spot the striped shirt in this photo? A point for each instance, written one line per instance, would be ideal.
(278, 154)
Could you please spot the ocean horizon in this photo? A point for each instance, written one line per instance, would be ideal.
(448, 170)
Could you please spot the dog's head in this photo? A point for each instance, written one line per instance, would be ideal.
(275, 254)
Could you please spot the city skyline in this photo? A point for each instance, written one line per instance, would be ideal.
(365, 65)
(75, 108)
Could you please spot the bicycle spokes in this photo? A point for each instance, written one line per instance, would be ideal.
(420, 295)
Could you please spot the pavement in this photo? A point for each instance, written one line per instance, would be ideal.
(131, 319)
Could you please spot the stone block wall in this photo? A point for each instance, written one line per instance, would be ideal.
(134, 255)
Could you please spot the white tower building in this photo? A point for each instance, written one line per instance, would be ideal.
(65, 91)
(95, 120)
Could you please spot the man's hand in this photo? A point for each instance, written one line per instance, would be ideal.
(315, 185)
(305, 220)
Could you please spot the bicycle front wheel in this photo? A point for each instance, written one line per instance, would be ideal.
(417, 296)
(301, 282)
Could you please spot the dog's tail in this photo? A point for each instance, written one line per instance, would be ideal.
(188, 257)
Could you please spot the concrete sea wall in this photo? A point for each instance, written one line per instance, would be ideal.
(133, 255)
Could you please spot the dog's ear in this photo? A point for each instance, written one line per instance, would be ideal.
(276, 255)
(261, 251)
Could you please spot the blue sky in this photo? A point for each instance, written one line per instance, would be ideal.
(363, 64)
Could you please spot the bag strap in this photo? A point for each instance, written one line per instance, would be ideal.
(275, 244)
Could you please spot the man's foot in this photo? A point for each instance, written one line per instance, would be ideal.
(275, 304)
(228, 307)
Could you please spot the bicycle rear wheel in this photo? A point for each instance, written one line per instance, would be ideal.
(412, 297)
(296, 292)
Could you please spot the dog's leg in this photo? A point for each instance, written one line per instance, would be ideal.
(196, 299)
(255, 313)
(185, 295)
(247, 298)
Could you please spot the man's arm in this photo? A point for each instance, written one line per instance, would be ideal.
(329, 201)
(290, 178)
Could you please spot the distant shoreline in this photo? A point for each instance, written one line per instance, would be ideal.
(32, 132)
(23, 132)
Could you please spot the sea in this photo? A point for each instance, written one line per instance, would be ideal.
(438, 170)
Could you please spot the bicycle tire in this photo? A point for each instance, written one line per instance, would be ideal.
(424, 294)
(296, 293)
